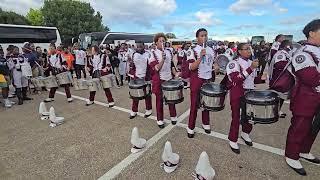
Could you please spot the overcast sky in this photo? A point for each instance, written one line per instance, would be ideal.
(224, 19)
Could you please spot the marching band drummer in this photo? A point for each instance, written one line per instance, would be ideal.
(242, 75)
(19, 81)
(277, 65)
(100, 65)
(275, 46)
(201, 62)
(123, 55)
(139, 69)
(57, 64)
(305, 100)
(183, 64)
(162, 68)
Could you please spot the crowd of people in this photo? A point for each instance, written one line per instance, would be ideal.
(195, 65)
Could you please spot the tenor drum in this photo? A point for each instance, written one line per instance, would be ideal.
(139, 89)
(212, 97)
(107, 81)
(26, 70)
(172, 91)
(262, 106)
(93, 84)
(64, 78)
(51, 82)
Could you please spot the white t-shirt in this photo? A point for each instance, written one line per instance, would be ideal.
(165, 71)
(80, 57)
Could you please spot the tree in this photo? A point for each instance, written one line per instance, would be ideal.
(35, 17)
(8, 17)
(171, 36)
(71, 17)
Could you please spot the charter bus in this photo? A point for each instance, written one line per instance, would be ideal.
(257, 39)
(17, 35)
(113, 38)
(177, 43)
(288, 37)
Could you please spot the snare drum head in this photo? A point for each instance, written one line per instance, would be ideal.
(173, 84)
(263, 97)
(137, 83)
(212, 89)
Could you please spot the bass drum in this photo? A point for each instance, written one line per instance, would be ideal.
(262, 106)
(139, 89)
(212, 97)
(172, 91)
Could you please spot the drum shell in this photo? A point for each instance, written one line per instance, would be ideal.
(81, 84)
(262, 110)
(107, 81)
(51, 82)
(139, 89)
(63, 78)
(93, 84)
(214, 101)
(38, 82)
(173, 94)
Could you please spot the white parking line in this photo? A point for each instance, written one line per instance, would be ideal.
(225, 137)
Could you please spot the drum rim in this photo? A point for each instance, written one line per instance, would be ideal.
(172, 88)
(213, 109)
(216, 94)
(274, 101)
(263, 120)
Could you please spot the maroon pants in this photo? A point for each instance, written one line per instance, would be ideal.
(106, 91)
(159, 107)
(135, 104)
(195, 86)
(299, 138)
(52, 91)
(236, 105)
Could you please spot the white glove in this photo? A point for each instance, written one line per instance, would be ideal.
(18, 66)
(318, 89)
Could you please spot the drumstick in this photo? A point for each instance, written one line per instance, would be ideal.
(203, 57)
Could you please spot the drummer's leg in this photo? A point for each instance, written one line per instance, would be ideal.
(92, 95)
(148, 102)
(235, 123)
(172, 110)
(159, 106)
(109, 95)
(246, 126)
(297, 134)
(135, 105)
(52, 92)
(67, 90)
(311, 136)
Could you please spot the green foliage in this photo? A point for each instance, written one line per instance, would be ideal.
(171, 36)
(72, 17)
(35, 17)
(8, 17)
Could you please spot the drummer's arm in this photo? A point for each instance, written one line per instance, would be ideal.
(159, 65)
(195, 64)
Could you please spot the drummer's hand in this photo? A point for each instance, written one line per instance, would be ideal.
(216, 67)
(264, 76)
(203, 52)
(255, 64)
(177, 74)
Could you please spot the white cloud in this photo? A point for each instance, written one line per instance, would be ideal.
(141, 12)
(199, 18)
(255, 7)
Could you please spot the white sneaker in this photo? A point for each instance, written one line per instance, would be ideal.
(246, 137)
(173, 120)
(190, 133)
(88, 103)
(111, 104)
(147, 113)
(307, 155)
(49, 100)
(70, 100)
(132, 115)
(160, 123)
(7, 103)
(294, 163)
(234, 145)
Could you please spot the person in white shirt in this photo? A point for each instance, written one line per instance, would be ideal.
(162, 68)
(80, 62)
(201, 64)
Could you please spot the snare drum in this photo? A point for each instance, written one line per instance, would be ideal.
(212, 97)
(262, 107)
(80, 84)
(50, 82)
(172, 91)
(26, 70)
(38, 82)
(93, 84)
(139, 89)
(64, 78)
(107, 81)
